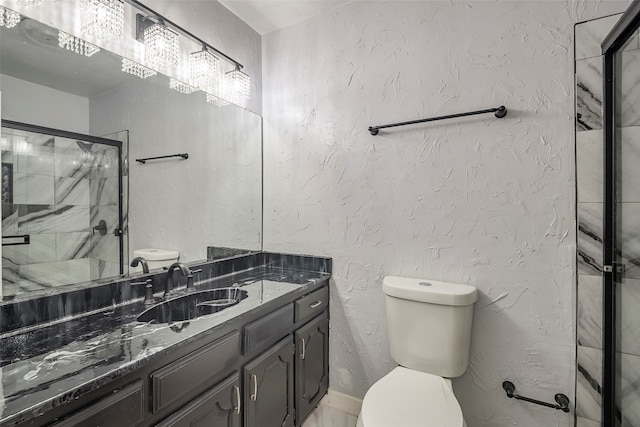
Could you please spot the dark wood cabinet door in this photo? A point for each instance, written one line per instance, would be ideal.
(268, 388)
(218, 407)
(312, 365)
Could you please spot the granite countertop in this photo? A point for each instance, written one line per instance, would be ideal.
(45, 367)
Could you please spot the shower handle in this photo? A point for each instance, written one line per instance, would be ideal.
(100, 228)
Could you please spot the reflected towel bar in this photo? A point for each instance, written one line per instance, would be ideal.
(561, 399)
(183, 155)
(499, 112)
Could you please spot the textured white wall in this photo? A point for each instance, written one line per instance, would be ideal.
(39, 105)
(479, 200)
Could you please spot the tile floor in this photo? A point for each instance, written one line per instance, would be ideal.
(326, 416)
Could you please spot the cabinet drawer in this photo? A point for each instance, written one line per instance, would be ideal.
(185, 374)
(126, 403)
(312, 304)
(268, 329)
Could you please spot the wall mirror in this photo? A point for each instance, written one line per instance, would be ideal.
(73, 127)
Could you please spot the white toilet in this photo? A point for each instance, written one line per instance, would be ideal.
(429, 335)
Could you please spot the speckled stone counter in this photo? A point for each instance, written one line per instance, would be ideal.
(46, 366)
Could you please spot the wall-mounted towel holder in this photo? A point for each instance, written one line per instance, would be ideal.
(561, 399)
(183, 155)
(499, 112)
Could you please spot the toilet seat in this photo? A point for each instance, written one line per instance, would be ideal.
(409, 398)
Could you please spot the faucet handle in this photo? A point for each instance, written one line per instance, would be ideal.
(196, 271)
(148, 294)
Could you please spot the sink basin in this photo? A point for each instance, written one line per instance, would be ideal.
(190, 306)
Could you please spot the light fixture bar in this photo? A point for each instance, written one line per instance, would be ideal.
(179, 29)
(74, 44)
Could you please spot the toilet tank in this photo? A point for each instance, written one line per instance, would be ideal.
(429, 324)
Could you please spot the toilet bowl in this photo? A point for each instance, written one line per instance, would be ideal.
(408, 398)
(429, 336)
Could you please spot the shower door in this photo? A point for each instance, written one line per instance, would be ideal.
(61, 208)
(621, 295)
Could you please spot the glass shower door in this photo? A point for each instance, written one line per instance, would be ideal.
(621, 394)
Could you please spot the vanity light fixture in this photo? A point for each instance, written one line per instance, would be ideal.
(181, 87)
(206, 66)
(204, 70)
(160, 46)
(8, 18)
(139, 70)
(76, 45)
(237, 87)
(102, 19)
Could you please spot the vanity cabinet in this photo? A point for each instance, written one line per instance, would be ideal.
(312, 365)
(268, 388)
(220, 406)
(268, 369)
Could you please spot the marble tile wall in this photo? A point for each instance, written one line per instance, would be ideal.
(61, 188)
(589, 171)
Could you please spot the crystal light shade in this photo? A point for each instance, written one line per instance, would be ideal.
(8, 18)
(160, 47)
(181, 87)
(131, 67)
(102, 19)
(76, 45)
(204, 70)
(237, 87)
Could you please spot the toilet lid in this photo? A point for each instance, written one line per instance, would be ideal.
(409, 398)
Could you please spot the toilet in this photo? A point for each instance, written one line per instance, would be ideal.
(429, 336)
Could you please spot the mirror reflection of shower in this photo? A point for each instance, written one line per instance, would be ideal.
(63, 194)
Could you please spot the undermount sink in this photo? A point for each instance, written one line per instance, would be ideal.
(190, 306)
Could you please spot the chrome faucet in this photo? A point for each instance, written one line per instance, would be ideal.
(145, 265)
(169, 283)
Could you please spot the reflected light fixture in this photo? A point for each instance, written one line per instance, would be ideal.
(76, 45)
(237, 87)
(160, 46)
(102, 19)
(30, 2)
(139, 70)
(8, 18)
(181, 87)
(212, 99)
(204, 68)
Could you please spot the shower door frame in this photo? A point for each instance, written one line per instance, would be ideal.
(611, 45)
(10, 124)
